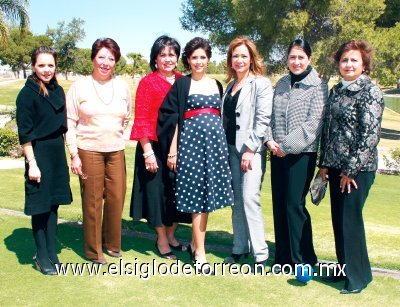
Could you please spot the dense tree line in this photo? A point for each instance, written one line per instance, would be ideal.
(272, 24)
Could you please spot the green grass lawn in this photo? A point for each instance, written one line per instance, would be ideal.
(381, 214)
(23, 285)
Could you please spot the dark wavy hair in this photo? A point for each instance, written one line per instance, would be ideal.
(192, 46)
(302, 43)
(108, 43)
(158, 46)
(34, 56)
(365, 49)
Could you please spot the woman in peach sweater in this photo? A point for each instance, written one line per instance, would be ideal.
(98, 110)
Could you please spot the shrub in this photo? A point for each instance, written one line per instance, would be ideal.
(13, 113)
(396, 155)
(11, 125)
(394, 162)
(9, 144)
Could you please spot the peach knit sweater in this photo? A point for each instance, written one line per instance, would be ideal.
(96, 124)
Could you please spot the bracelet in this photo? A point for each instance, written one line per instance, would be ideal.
(148, 154)
(172, 155)
(30, 160)
(73, 156)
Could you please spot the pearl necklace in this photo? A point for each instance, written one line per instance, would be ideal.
(168, 79)
(97, 93)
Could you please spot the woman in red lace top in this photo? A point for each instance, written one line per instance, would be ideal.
(153, 195)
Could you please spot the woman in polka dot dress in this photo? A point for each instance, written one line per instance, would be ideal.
(189, 123)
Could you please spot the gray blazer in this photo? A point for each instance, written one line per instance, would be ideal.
(253, 113)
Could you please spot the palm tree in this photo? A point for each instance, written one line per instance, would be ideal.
(14, 11)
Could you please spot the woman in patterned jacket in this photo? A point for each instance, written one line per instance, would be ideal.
(349, 156)
(296, 123)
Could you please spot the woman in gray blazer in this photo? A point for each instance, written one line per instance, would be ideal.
(246, 116)
(296, 123)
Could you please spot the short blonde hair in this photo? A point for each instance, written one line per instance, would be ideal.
(257, 66)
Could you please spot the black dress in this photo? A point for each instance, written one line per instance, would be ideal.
(42, 120)
(154, 188)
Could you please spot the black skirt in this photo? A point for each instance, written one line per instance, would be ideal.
(54, 188)
(153, 194)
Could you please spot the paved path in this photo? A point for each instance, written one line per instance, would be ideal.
(11, 163)
(9, 81)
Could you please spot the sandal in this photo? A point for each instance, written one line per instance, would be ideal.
(179, 248)
(169, 255)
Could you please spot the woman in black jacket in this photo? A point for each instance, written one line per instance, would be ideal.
(41, 120)
(349, 156)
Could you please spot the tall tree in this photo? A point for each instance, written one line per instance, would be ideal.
(17, 51)
(272, 24)
(65, 38)
(139, 64)
(82, 64)
(14, 11)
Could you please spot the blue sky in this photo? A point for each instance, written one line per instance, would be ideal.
(134, 25)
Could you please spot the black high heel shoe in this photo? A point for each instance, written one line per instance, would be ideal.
(44, 269)
(54, 260)
(235, 258)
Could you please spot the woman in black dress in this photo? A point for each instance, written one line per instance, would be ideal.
(41, 120)
(153, 195)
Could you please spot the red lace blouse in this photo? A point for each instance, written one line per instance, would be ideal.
(150, 93)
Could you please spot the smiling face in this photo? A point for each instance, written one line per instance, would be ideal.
(298, 60)
(198, 61)
(103, 64)
(44, 67)
(241, 59)
(166, 61)
(351, 65)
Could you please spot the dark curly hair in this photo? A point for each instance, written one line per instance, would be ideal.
(365, 49)
(192, 46)
(158, 46)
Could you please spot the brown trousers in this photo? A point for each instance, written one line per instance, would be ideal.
(106, 179)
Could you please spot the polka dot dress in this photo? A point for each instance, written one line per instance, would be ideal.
(203, 175)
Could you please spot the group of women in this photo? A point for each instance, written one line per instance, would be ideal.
(201, 149)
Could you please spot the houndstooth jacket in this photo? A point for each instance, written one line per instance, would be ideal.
(297, 114)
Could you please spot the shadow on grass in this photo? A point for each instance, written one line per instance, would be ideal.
(138, 237)
(20, 241)
(296, 283)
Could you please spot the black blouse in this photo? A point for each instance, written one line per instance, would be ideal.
(229, 118)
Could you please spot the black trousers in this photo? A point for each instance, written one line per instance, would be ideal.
(290, 179)
(348, 227)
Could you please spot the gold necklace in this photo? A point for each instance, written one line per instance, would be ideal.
(98, 96)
